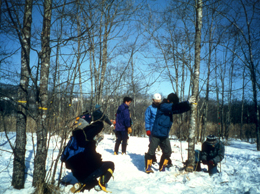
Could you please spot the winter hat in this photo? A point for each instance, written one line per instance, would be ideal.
(157, 96)
(97, 106)
(212, 139)
(173, 98)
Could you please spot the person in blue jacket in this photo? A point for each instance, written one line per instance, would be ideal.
(161, 128)
(123, 122)
(150, 115)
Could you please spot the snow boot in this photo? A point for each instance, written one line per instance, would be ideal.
(148, 166)
(103, 180)
(115, 153)
(148, 163)
(77, 188)
(163, 164)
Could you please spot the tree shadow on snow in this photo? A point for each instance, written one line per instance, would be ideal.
(28, 164)
(137, 159)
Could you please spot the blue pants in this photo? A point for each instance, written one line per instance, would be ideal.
(212, 169)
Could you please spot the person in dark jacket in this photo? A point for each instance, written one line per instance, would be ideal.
(123, 125)
(98, 118)
(85, 163)
(212, 152)
(87, 116)
(161, 128)
(98, 115)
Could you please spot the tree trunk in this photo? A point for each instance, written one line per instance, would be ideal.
(242, 106)
(41, 154)
(222, 100)
(18, 178)
(229, 101)
(79, 56)
(195, 91)
(217, 95)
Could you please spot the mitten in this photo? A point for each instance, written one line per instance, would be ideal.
(129, 130)
(211, 162)
(148, 132)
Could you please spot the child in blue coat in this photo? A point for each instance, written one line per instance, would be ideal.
(150, 115)
(161, 128)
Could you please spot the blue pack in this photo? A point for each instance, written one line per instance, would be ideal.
(71, 149)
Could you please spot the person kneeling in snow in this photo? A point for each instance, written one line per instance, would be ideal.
(161, 128)
(212, 153)
(85, 163)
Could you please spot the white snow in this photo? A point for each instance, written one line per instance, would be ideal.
(240, 169)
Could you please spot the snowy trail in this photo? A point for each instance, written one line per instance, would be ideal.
(240, 170)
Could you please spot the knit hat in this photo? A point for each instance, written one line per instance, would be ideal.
(97, 106)
(173, 98)
(157, 96)
(212, 139)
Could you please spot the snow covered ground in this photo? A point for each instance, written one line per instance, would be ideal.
(240, 169)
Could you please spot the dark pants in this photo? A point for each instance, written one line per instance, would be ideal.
(91, 180)
(211, 169)
(121, 136)
(164, 144)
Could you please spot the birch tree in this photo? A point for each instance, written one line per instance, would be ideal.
(41, 152)
(24, 36)
(195, 90)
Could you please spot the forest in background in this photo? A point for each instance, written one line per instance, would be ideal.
(59, 58)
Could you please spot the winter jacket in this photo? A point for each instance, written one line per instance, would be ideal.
(150, 115)
(214, 152)
(99, 115)
(123, 120)
(82, 157)
(87, 117)
(163, 120)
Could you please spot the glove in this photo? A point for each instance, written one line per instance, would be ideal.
(192, 100)
(211, 163)
(204, 161)
(148, 132)
(112, 125)
(129, 130)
